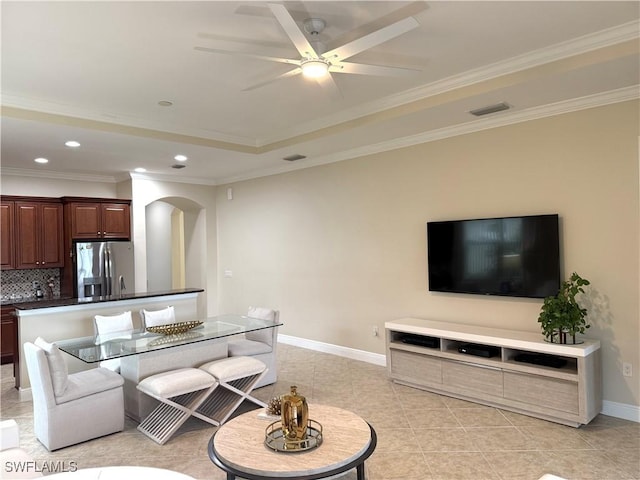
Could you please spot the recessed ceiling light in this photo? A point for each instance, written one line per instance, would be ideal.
(140, 170)
(72, 144)
(41, 160)
(181, 158)
(165, 103)
(178, 166)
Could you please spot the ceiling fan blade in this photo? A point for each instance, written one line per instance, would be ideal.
(293, 31)
(290, 73)
(363, 69)
(250, 55)
(329, 84)
(371, 40)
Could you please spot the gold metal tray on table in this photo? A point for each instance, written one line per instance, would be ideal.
(173, 328)
(274, 438)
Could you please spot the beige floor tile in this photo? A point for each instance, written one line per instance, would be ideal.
(627, 459)
(521, 465)
(421, 435)
(432, 418)
(445, 440)
(398, 466)
(480, 417)
(459, 466)
(489, 439)
(398, 440)
(556, 437)
(587, 465)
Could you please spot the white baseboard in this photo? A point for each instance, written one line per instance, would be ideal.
(612, 409)
(352, 353)
(621, 410)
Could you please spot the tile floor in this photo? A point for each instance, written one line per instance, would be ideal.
(421, 435)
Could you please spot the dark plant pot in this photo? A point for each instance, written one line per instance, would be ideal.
(563, 337)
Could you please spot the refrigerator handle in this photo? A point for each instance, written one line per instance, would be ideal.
(107, 271)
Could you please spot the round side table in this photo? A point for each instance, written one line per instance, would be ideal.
(238, 448)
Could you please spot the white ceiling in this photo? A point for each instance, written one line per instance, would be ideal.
(95, 71)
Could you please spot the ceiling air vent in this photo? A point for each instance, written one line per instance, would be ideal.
(178, 166)
(498, 107)
(294, 157)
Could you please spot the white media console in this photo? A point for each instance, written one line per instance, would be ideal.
(426, 354)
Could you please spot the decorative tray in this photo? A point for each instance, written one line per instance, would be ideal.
(274, 438)
(174, 337)
(173, 328)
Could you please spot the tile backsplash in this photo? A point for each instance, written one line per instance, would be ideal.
(18, 284)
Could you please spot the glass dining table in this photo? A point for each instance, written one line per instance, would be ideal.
(143, 353)
(134, 342)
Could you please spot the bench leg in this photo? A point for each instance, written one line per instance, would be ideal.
(169, 416)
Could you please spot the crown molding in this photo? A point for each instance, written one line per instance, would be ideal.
(587, 43)
(79, 177)
(486, 123)
(158, 177)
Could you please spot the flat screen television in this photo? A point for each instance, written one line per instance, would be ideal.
(510, 256)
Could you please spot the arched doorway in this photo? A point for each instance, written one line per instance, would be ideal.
(170, 226)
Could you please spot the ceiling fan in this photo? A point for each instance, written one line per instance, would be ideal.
(318, 64)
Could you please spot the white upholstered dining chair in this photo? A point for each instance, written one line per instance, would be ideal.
(155, 318)
(111, 327)
(260, 344)
(71, 408)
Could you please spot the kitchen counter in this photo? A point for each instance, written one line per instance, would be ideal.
(10, 302)
(65, 302)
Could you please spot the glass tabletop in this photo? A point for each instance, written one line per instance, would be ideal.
(122, 344)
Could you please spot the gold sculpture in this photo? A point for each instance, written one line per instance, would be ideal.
(295, 418)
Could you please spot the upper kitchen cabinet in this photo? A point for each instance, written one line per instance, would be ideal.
(39, 234)
(7, 244)
(98, 219)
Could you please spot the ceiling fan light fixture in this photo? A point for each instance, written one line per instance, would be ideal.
(315, 68)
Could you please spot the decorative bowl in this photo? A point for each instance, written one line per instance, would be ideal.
(173, 328)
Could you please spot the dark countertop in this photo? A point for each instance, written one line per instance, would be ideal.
(65, 302)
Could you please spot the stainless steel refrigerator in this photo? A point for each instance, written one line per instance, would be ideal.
(103, 268)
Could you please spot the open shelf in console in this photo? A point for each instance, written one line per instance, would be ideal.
(471, 349)
(415, 339)
(555, 363)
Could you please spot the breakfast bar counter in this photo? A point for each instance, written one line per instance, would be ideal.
(62, 319)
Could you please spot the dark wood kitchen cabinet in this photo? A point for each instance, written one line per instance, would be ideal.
(8, 335)
(39, 234)
(7, 244)
(99, 220)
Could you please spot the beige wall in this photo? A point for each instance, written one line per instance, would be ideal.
(341, 247)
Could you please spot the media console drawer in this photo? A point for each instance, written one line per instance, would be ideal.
(416, 367)
(537, 390)
(472, 377)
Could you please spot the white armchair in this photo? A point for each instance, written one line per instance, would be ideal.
(260, 344)
(71, 408)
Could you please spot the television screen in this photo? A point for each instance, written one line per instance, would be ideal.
(513, 256)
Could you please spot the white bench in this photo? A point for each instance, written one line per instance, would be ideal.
(236, 378)
(180, 393)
